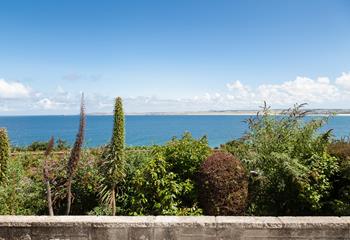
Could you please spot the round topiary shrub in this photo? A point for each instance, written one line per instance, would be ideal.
(223, 185)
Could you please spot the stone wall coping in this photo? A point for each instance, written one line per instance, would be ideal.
(177, 221)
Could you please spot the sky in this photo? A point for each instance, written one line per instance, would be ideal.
(172, 56)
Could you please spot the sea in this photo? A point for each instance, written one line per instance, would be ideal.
(141, 129)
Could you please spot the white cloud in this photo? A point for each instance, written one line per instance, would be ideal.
(47, 104)
(320, 92)
(302, 89)
(11, 90)
(344, 80)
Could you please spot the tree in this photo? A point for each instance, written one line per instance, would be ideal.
(75, 154)
(113, 158)
(4, 152)
(46, 173)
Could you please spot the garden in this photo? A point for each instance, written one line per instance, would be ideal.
(283, 165)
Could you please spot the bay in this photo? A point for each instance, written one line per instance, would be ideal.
(140, 130)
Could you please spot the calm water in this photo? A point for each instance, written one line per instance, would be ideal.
(140, 130)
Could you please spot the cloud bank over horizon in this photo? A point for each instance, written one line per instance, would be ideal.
(17, 98)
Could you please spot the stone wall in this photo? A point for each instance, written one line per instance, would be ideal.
(163, 227)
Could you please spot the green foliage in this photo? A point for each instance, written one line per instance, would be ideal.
(113, 156)
(37, 146)
(224, 185)
(134, 159)
(154, 182)
(42, 146)
(291, 162)
(84, 185)
(4, 152)
(186, 154)
(294, 170)
(339, 200)
(113, 165)
(156, 190)
(21, 193)
(184, 157)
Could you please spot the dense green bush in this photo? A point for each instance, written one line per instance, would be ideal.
(84, 185)
(21, 193)
(184, 157)
(155, 189)
(4, 152)
(37, 146)
(186, 154)
(163, 180)
(291, 166)
(223, 185)
(61, 145)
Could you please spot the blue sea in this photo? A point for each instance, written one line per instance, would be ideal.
(140, 130)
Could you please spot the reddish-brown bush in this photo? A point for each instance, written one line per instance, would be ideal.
(340, 149)
(223, 185)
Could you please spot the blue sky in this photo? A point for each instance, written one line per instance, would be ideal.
(181, 55)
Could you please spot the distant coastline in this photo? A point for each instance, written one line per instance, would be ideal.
(313, 112)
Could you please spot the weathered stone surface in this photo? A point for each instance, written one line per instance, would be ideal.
(173, 228)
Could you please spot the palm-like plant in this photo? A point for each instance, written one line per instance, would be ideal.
(75, 154)
(113, 159)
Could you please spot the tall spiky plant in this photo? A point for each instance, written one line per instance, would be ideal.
(4, 152)
(113, 165)
(75, 154)
(46, 173)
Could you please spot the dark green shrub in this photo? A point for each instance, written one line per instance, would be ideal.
(223, 185)
(4, 152)
(37, 146)
(339, 199)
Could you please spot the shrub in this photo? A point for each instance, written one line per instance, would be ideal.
(223, 185)
(340, 149)
(156, 190)
(4, 152)
(339, 200)
(186, 154)
(134, 161)
(290, 158)
(22, 191)
(37, 146)
(184, 157)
